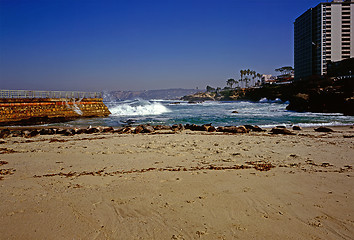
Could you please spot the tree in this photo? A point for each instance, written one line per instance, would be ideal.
(230, 82)
(210, 89)
(247, 79)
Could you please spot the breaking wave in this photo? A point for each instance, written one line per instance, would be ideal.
(277, 100)
(137, 108)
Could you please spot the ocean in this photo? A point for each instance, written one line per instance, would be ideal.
(264, 113)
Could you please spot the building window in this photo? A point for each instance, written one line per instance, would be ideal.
(345, 17)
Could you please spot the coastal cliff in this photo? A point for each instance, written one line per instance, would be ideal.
(323, 96)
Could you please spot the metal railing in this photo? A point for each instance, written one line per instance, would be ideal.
(47, 94)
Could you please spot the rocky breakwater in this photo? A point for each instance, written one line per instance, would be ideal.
(27, 111)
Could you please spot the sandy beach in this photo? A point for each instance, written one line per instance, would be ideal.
(182, 185)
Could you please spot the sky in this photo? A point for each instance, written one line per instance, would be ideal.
(99, 45)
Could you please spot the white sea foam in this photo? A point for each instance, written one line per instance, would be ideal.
(277, 100)
(138, 108)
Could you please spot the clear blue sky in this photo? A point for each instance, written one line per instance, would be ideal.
(91, 45)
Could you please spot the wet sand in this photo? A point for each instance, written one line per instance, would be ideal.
(187, 185)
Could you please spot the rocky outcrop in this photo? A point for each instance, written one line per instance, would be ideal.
(199, 97)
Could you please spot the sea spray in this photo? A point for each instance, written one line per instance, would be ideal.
(137, 108)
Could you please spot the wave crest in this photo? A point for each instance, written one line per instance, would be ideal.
(138, 108)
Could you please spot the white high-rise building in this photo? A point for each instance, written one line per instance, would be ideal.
(321, 34)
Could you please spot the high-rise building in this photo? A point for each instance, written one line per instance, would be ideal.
(321, 34)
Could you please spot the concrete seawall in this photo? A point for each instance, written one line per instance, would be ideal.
(26, 111)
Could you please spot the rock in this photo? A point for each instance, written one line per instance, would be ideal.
(69, 132)
(254, 128)
(118, 130)
(24, 133)
(91, 130)
(80, 131)
(195, 127)
(177, 127)
(127, 130)
(33, 133)
(138, 129)
(198, 97)
(233, 129)
(235, 111)
(297, 128)
(299, 103)
(60, 131)
(16, 133)
(4, 133)
(148, 129)
(349, 106)
(162, 127)
(281, 131)
(108, 129)
(280, 126)
(323, 129)
(47, 131)
(211, 129)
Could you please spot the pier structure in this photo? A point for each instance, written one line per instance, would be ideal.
(26, 107)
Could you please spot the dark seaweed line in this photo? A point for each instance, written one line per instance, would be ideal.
(259, 167)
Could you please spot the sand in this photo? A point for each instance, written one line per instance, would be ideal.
(187, 185)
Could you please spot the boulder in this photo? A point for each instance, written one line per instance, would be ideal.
(195, 127)
(80, 131)
(69, 132)
(281, 131)
(233, 129)
(24, 133)
(323, 129)
(118, 130)
(138, 129)
(148, 129)
(254, 128)
(177, 127)
(91, 130)
(235, 111)
(33, 133)
(107, 129)
(16, 133)
(211, 129)
(297, 128)
(127, 130)
(47, 131)
(4, 133)
(162, 127)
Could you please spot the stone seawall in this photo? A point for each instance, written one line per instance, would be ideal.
(25, 111)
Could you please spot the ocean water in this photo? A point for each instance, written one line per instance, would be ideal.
(166, 112)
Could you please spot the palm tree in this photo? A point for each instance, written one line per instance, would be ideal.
(236, 82)
(246, 81)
